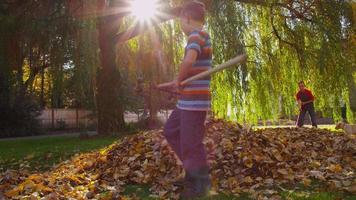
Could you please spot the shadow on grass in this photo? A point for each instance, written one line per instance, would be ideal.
(143, 192)
(43, 153)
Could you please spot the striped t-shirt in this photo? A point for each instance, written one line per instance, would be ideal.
(195, 96)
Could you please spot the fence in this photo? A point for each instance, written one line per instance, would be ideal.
(66, 119)
(81, 119)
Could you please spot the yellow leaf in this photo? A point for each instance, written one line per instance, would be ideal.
(306, 181)
(30, 156)
(27, 185)
(247, 162)
(12, 193)
(335, 168)
(277, 155)
(44, 189)
(248, 179)
(282, 171)
(227, 144)
(232, 182)
(138, 147)
(315, 164)
(35, 178)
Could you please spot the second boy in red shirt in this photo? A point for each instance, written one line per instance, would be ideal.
(305, 100)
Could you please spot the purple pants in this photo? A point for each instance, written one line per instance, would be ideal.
(184, 132)
(310, 109)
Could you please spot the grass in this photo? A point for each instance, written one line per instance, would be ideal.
(41, 153)
(142, 192)
(330, 127)
(305, 195)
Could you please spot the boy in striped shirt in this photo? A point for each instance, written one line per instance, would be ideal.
(184, 129)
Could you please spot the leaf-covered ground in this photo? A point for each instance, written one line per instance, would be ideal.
(263, 164)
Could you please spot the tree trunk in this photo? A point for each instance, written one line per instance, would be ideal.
(109, 108)
(154, 109)
(5, 80)
(352, 98)
(42, 86)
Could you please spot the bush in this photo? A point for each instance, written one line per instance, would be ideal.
(20, 119)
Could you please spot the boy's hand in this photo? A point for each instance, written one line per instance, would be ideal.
(172, 86)
(300, 103)
(304, 103)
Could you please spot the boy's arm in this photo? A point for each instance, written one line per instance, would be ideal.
(189, 60)
(298, 101)
(309, 101)
(300, 104)
(187, 63)
(193, 49)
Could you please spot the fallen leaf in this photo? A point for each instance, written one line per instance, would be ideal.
(335, 168)
(306, 182)
(30, 156)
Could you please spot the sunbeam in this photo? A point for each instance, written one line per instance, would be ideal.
(144, 10)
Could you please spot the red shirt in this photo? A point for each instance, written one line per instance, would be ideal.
(305, 95)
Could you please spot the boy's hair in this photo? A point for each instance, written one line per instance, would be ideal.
(194, 9)
(301, 82)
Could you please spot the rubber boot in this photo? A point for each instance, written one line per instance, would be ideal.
(180, 182)
(197, 184)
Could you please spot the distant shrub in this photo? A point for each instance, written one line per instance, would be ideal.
(61, 124)
(20, 118)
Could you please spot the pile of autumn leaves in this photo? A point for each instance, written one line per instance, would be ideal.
(257, 162)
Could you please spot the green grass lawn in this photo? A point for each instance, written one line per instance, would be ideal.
(41, 153)
(330, 127)
(301, 194)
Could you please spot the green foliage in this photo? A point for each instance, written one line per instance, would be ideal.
(283, 48)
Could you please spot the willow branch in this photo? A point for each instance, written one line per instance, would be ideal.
(276, 32)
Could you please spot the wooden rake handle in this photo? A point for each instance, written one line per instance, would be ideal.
(237, 60)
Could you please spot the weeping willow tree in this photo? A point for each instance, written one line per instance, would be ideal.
(286, 42)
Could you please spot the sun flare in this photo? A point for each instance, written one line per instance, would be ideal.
(144, 10)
